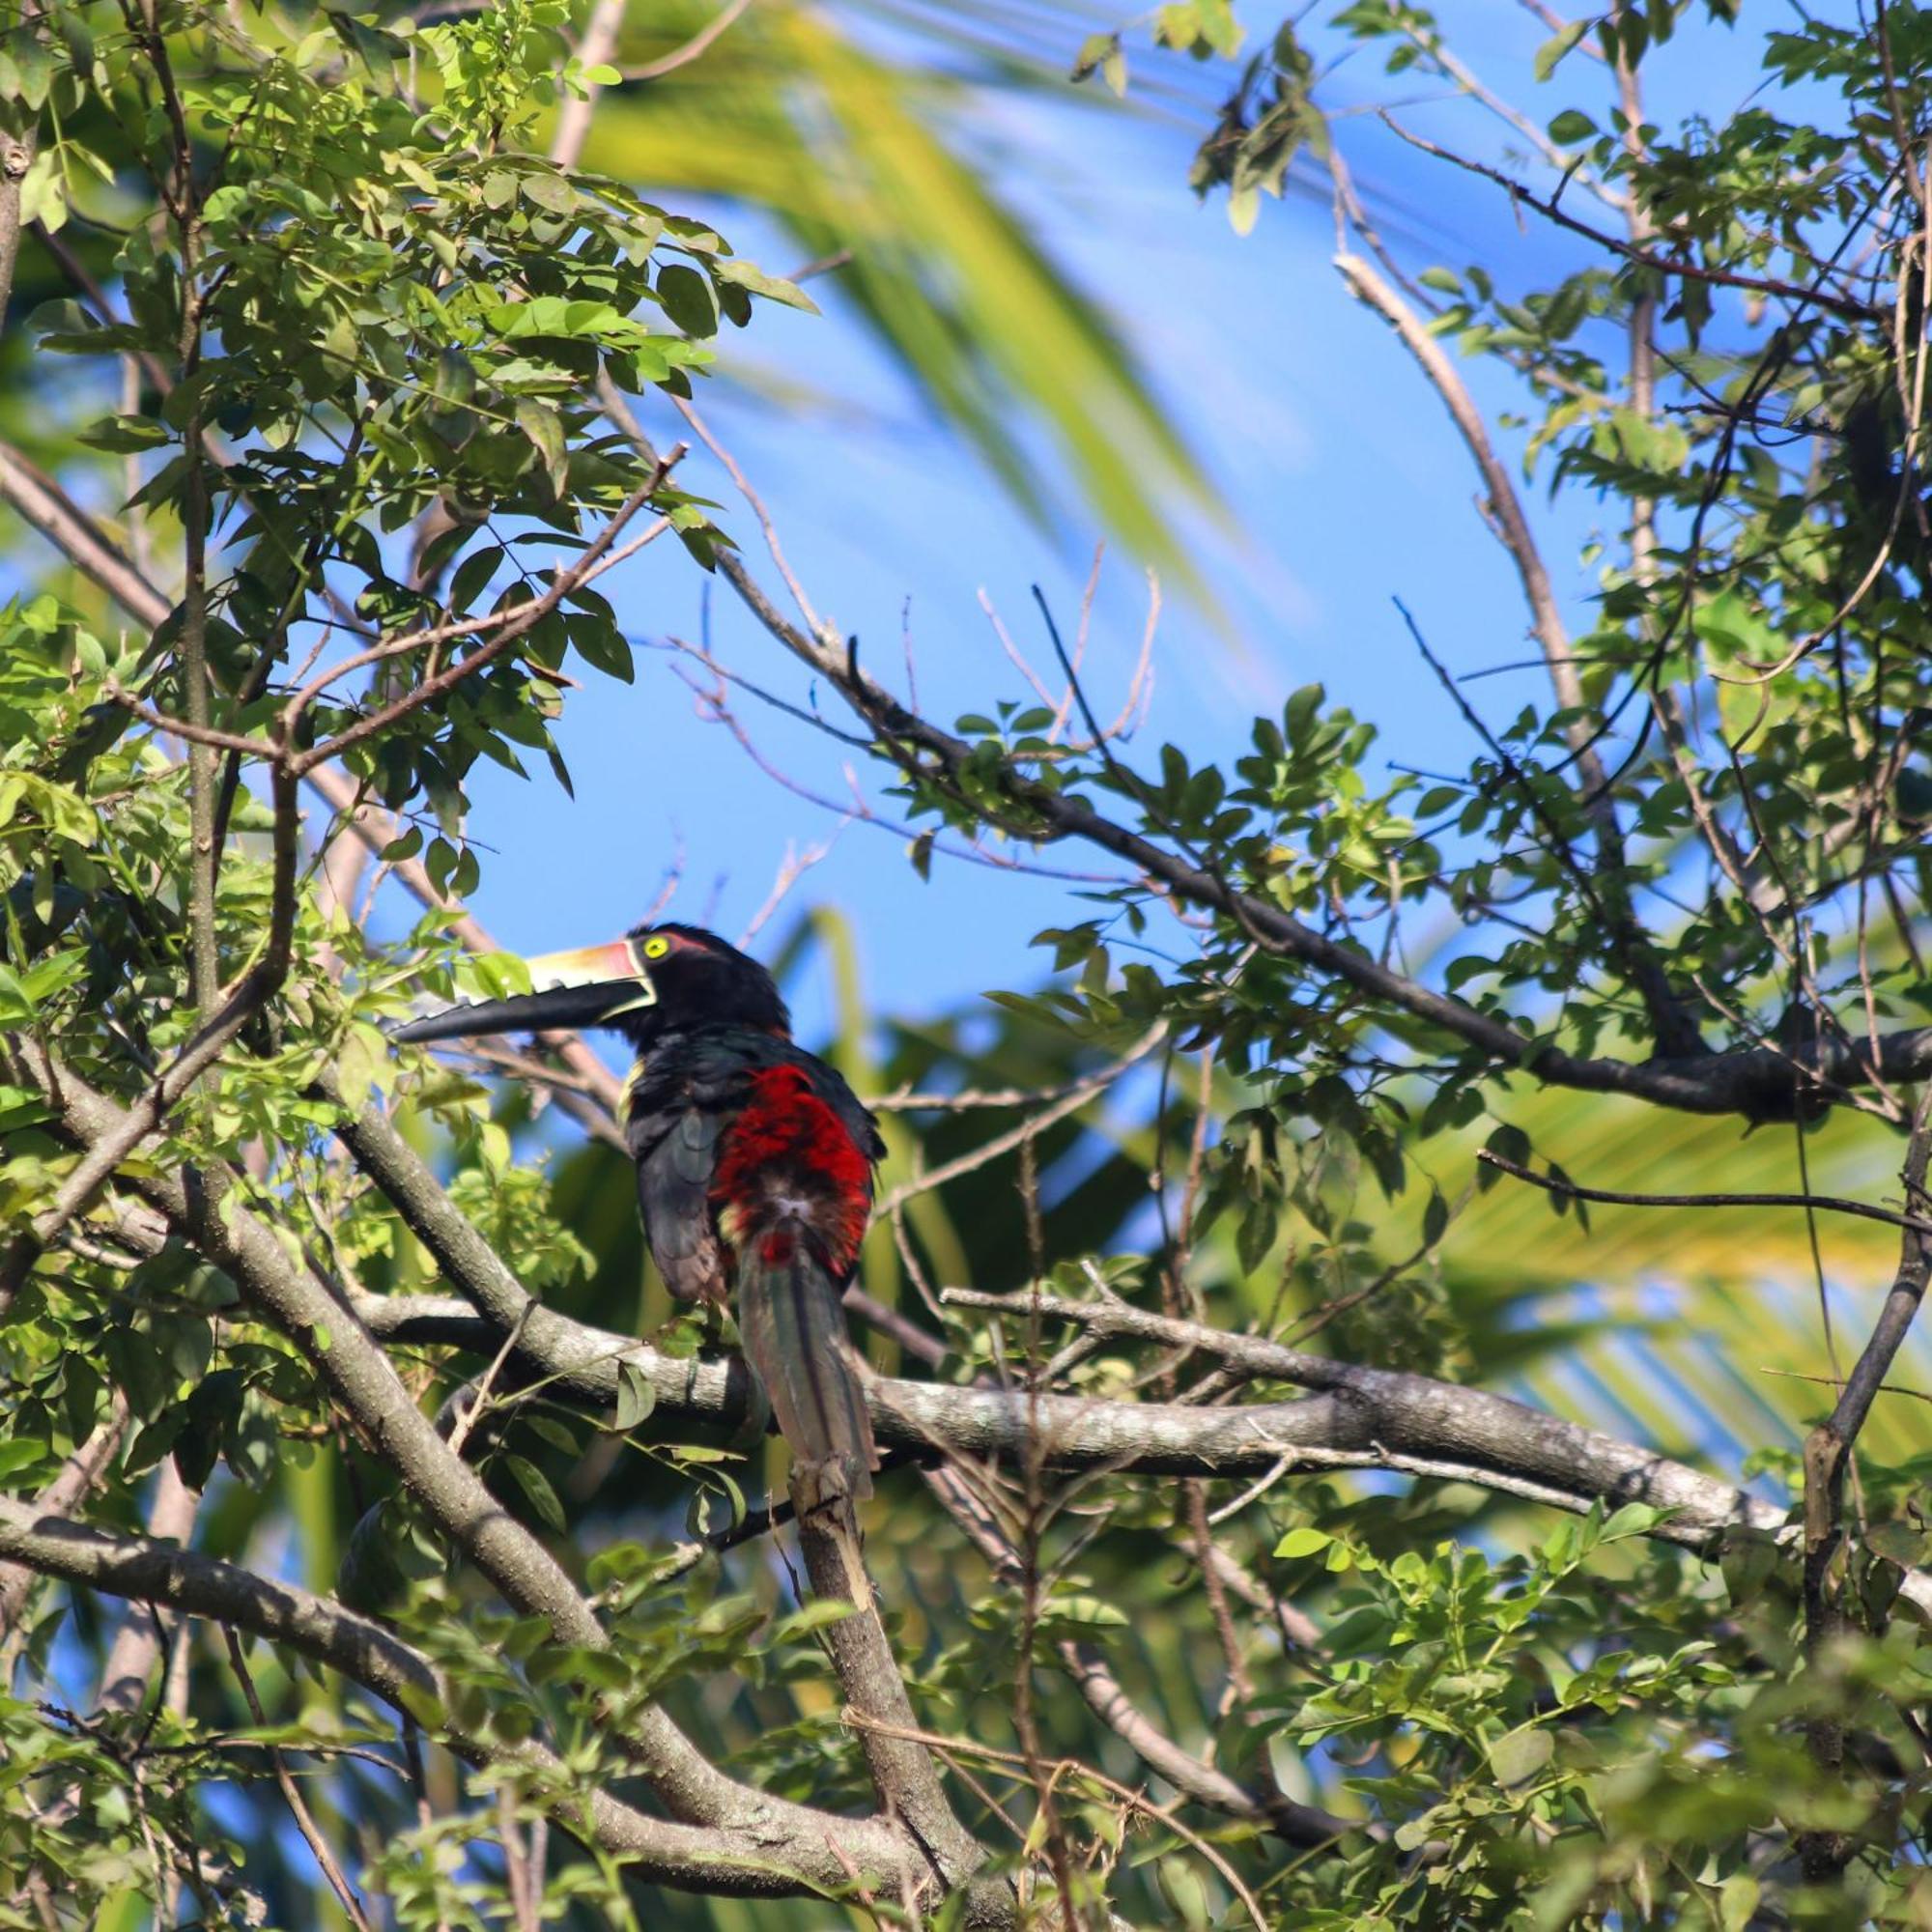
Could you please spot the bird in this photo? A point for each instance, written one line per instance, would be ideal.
(754, 1159)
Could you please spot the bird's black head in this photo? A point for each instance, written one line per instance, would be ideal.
(699, 979)
(655, 978)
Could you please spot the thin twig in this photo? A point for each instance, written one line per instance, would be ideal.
(1071, 1101)
(1831, 1204)
(692, 48)
(292, 1794)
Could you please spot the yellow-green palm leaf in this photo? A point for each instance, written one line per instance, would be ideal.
(787, 112)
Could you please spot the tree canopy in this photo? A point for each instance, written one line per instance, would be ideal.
(1270, 1532)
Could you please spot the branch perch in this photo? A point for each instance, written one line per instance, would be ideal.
(1357, 1418)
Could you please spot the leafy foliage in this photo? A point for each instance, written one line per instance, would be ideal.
(385, 384)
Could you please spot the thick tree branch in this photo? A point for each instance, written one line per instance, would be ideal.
(360, 1378)
(1358, 1419)
(812, 1852)
(139, 1643)
(904, 1772)
(20, 138)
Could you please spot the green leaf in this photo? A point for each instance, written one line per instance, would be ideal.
(743, 274)
(1094, 49)
(535, 1484)
(636, 1397)
(1738, 1902)
(689, 299)
(1898, 1543)
(1517, 1756)
(1631, 1519)
(1572, 127)
(1256, 1234)
(545, 428)
(1748, 1559)
(1434, 1217)
(125, 435)
(808, 1621)
(472, 575)
(1304, 1541)
(1552, 52)
(22, 1453)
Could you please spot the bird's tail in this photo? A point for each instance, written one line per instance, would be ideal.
(794, 1326)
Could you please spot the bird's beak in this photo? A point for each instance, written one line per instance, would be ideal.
(584, 988)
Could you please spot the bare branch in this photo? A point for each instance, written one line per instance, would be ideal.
(1359, 1418)
(1847, 307)
(291, 1796)
(1069, 1102)
(903, 1771)
(43, 504)
(139, 1641)
(1823, 1852)
(692, 48)
(596, 48)
(1674, 1029)
(1831, 1204)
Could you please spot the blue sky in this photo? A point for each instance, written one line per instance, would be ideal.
(1345, 485)
(1345, 482)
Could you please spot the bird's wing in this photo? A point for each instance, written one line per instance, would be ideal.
(681, 1102)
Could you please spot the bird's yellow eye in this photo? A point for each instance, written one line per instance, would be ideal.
(656, 949)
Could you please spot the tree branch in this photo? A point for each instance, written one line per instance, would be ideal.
(362, 1382)
(319, 1846)
(792, 1851)
(1824, 1852)
(1830, 1204)
(20, 137)
(1758, 1083)
(105, 1151)
(67, 1489)
(903, 1770)
(1846, 307)
(597, 48)
(1359, 1418)
(1304, 1825)
(138, 1643)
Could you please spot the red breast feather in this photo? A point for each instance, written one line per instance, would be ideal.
(789, 1165)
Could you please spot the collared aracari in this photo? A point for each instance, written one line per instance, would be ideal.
(755, 1161)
